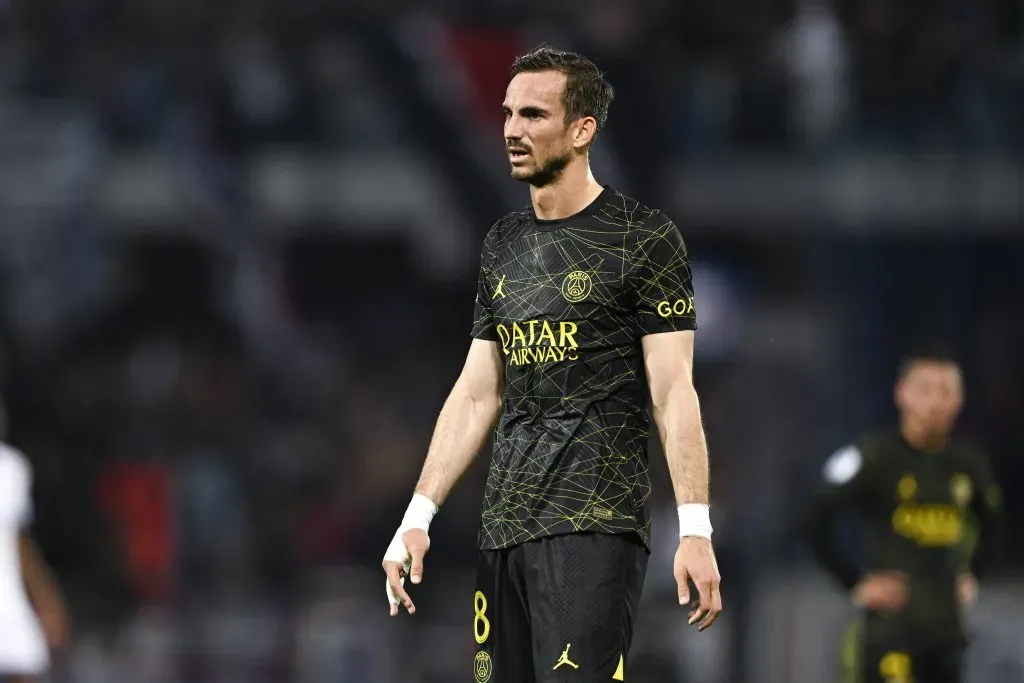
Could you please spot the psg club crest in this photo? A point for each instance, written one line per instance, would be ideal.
(482, 667)
(576, 286)
(961, 489)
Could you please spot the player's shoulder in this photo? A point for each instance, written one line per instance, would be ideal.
(854, 457)
(967, 451)
(634, 213)
(843, 465)
(510, 226)
(879, 445)
(874, 441)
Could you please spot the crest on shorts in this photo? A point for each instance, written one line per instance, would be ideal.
(576, 286)
(907, 487)
(961, 489)
(482, 667)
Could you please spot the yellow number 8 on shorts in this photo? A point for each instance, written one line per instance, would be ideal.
(481, 625)
(895, 667)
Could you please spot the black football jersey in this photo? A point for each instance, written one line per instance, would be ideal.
(569, 302)
(923, 514)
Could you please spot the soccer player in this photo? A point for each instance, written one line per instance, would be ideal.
(25, 580)
(928, 507)
(584, 309)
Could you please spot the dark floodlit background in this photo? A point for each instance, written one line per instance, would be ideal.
(238, 246)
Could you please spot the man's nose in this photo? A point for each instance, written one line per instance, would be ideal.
(513, 129)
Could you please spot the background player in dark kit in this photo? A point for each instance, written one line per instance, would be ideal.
(928, 507)
(584, 311)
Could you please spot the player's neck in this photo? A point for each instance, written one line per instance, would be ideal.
(921, 439)
(574, 191)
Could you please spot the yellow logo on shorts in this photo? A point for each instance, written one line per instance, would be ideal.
(619, 674)
(576, 286)
(564, 659)
(482, 667)
(895, 667)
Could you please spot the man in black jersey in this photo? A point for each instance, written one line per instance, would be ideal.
(584, 310)
(928, 506)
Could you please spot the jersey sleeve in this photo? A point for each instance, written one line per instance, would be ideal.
(662, 279)
(987, 509)
(483, 313)
(844, 478)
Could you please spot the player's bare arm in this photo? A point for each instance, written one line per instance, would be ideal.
(668, 359)
(44, 593)
(465, 421)
(462, 428)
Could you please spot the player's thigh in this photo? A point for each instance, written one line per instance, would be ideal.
(501, 627)
(888, 660)
(583, 592)
(941, 665)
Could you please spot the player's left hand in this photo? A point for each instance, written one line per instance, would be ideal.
(966, 590)
(695, 560)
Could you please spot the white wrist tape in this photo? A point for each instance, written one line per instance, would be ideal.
(418, 515)
(694, 520)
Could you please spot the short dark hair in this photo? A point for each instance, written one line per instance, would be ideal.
(587, 93)
(928, 352)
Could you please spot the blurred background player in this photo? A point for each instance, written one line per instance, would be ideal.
(32, 615)
(927, 506)
(584, 312)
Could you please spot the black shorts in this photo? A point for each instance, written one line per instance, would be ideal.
(884, 655)
(557, 609)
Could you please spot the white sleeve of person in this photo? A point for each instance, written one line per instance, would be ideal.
(694, 520)
(842, 466)
(418, 515)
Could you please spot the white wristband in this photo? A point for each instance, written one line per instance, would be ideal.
(694, 520)
(418, 515)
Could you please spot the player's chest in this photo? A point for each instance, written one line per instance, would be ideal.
(559, 275)
(925, 500)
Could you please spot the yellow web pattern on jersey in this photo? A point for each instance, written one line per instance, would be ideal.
(570, 450)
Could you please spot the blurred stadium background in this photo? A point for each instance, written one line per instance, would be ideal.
(237, 260)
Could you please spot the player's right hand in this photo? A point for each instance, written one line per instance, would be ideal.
(884, 592)
(404, 557)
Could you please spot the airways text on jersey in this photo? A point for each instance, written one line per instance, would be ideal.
(568, 302)
(538, 341)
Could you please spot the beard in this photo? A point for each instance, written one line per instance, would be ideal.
(546, 173)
